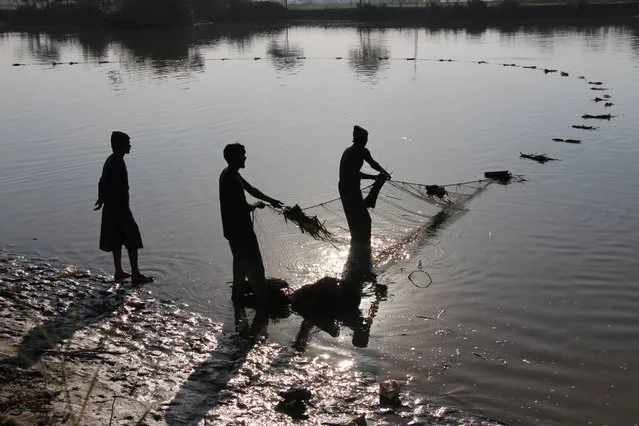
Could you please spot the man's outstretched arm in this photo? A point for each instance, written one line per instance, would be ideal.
(260, 195)
(375, 165)
(363, 175)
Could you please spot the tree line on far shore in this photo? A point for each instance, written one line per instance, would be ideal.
(136, 13)
(172, 13)
(117, 13)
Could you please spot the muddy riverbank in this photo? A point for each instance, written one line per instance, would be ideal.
(80, 348)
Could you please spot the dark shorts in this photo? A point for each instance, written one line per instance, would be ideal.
(119, 229)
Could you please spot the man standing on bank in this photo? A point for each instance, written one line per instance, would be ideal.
(118, 227)
(238, 226)
(350, 176)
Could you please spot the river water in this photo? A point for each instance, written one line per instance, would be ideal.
(534, 287)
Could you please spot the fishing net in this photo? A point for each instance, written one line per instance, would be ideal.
(303, 244)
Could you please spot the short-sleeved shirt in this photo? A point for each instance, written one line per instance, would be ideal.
(236, 214)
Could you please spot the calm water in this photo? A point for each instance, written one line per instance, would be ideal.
(539, 278)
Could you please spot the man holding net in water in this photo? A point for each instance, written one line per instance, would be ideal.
(350, 192)
(238, 226)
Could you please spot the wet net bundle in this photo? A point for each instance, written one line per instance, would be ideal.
(304, 244)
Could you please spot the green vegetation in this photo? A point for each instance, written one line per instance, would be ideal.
(171, 13)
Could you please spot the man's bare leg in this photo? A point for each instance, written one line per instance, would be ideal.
(259, 327)
(241, 320)
(239, 277)
(120, 274)
(136, 276)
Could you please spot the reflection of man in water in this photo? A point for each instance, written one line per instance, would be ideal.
(238, 227)
(330, 303)
(355, 208)
(118, 227)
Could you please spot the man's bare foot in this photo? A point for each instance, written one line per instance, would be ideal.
(119, 276)
(141, 279)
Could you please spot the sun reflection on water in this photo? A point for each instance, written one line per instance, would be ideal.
(345, 365)
(329, 262)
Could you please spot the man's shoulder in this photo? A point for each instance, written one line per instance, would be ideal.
(230, 176)
(114, 159)
(108, 163)
(349, 151)
(356, 150)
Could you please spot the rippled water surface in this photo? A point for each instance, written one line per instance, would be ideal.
(534, 294)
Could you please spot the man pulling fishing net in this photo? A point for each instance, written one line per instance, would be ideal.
(238, 226)
(350, 176)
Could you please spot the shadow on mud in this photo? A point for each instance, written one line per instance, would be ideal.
(65, 300)
(208, 386)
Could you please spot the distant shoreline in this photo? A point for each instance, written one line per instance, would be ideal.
(471, 13)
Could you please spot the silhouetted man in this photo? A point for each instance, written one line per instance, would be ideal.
(118, 227)
(350, 176)
(238, 226)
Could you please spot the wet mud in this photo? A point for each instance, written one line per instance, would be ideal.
(78, 348)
